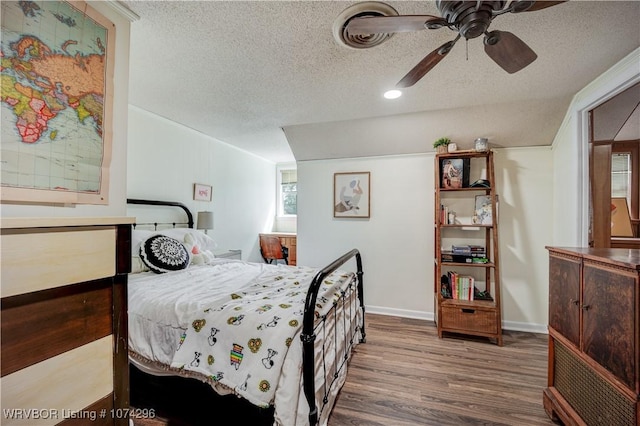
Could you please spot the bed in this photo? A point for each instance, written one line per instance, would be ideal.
(211, 337)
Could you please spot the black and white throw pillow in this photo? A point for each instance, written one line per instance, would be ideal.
(164, 254)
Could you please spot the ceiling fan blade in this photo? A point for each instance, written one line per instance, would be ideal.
(393, 24)
(518, 6)
(426, 64)
(508, 51)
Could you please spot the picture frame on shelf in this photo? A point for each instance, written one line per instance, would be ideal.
(351, 195)
(202, 192)
(483, 214)
(454, 173)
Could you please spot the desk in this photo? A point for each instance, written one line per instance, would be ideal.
(288, 240)
(625, 242)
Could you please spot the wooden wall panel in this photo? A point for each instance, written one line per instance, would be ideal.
(65, 383)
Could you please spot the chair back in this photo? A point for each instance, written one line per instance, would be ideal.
(272, 250)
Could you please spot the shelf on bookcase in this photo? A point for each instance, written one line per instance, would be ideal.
(483, 265)
(466, 225)
(466, 188)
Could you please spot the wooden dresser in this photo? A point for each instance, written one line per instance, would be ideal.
(288, 240)
(594, 336)
(64, 320)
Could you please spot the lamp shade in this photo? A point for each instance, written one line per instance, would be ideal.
(205, 220)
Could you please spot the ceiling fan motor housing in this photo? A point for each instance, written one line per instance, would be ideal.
(470, 18)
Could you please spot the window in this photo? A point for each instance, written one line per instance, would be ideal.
(621, 176)
(287, 192)
(625, 181)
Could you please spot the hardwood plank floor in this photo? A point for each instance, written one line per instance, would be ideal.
(404, 375)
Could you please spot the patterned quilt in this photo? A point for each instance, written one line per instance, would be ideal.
(241, 338)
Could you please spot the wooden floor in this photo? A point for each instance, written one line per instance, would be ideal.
(404, 375)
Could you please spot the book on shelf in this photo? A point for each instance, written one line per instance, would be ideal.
(459, 287)
(448, 256)
(468, 249)
(447, 217)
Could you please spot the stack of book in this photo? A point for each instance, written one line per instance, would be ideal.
(458, 286)
(465, 254)
(444, 215)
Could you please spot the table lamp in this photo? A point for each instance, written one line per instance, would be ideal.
(205, 221)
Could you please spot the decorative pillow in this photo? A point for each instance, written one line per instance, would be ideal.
(198, 255)
(164, 254)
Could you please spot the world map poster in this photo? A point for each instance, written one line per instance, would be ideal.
(56, 102)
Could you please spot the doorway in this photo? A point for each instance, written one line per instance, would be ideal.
(614, 171)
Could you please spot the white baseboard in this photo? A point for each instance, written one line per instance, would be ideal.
(399, 312)
(428, 316)
(526, 327)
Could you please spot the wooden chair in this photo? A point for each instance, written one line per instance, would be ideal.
(272, 250)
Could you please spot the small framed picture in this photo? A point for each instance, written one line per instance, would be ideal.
(483, 213)
(454, 173)
(202, 192)
(351, 194)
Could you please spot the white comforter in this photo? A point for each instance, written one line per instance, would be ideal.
(236, 325)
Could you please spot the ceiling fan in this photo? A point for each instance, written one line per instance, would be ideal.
(470, 19)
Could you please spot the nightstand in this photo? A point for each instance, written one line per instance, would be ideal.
(228, 254)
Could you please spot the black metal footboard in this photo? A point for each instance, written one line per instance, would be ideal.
(309, 325)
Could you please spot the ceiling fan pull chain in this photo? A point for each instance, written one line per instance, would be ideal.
(467, 48)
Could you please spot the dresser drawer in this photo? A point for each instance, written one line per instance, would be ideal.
(35, 259)
(470, 319)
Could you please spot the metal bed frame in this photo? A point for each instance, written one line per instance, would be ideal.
(310, 324)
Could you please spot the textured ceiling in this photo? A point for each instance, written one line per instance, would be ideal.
(269, 77)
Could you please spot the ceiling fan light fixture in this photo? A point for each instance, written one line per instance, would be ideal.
(392, 94)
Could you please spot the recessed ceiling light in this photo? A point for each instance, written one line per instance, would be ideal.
(392, 94)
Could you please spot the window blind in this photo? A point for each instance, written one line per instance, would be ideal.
(289, 176)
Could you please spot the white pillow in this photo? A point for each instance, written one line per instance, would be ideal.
(202, 240)
(137, 237)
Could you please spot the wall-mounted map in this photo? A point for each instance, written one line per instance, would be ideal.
(57, 90)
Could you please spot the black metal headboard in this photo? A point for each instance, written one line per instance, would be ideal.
(189, 222)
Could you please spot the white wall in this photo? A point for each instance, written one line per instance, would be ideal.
(525, 185)
(165, 160)
(397, 242)
(118, 179)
